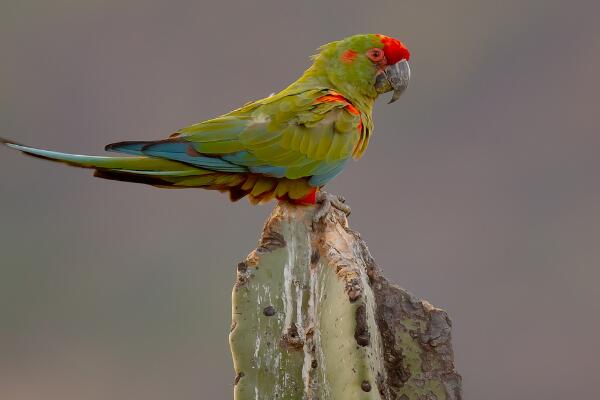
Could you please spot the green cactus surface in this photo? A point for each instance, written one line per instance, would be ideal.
(307, 323)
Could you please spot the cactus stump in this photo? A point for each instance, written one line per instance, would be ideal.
(313, 319)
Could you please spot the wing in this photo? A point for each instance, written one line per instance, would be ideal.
(308, 134)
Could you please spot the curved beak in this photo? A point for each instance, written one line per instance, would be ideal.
(393, 77)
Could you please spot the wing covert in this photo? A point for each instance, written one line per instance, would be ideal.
(293, 135)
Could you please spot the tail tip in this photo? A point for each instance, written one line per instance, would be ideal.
(10, 143)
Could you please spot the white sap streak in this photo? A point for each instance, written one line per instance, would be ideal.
(321, 291)
(288, 281)
(256, 349)
(311, 323)
(257, 342)
(296, 277)
(306, 370)
(268, 294)
(298, 287)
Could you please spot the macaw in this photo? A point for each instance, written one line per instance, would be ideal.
(285, 146)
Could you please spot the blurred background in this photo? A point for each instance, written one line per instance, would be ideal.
(480, 190)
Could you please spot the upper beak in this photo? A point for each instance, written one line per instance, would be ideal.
(393, 77)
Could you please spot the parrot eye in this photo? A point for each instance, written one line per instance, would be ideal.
(376, 55)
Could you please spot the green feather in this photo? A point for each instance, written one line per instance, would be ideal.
(308, 130)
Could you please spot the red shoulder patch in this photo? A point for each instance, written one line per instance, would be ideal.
(334, 96)
(351, 109)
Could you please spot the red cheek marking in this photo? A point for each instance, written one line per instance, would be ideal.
(394, 49)
(348, 56)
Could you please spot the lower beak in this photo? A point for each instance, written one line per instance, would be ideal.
(394, 77)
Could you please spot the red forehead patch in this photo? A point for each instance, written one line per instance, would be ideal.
(394, 49)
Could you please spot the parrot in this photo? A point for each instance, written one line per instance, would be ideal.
(286, 146)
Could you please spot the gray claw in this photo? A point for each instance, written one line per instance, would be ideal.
(327, 201)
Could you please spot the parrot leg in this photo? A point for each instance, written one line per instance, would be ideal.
(326, 202)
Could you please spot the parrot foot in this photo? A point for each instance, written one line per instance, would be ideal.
(326, 202)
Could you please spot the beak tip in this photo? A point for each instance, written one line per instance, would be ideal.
(396, 95)
(398, 76)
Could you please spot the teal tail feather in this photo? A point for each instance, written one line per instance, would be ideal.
(148, 170)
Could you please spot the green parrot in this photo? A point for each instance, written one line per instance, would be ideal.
(286, 146)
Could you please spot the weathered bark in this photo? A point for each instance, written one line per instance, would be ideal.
(313, 318)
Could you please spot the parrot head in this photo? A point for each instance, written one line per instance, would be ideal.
(366, 65)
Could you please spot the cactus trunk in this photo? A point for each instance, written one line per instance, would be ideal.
(314, 319)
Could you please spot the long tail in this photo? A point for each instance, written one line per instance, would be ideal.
(154, 171)
(164, 173)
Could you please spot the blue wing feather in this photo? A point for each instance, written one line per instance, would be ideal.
(326, 172)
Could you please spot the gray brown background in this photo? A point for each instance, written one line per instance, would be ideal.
(480, 190)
